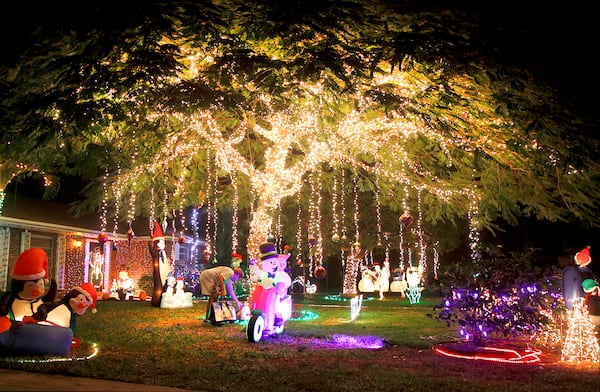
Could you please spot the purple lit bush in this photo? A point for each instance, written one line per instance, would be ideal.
(499, 296)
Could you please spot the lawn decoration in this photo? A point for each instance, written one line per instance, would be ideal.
(174, 295)
(161, 266)
(367, 282)
(64, 313)
(29, 293)
(399, 283)
(580, 343)
(30, 286)
(413, 278)
(579, 281)
(271, 306)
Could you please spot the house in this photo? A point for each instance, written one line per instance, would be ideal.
(78, 251)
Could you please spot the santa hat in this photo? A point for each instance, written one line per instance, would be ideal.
(31, 265)
(583, 257)
(267, 251)
(90, 293)
(157, 233)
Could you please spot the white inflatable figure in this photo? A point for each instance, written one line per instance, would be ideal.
(174, 295)
(384, 278)
(376, 274)
(114, 289)
(366, 285)
(399, 283)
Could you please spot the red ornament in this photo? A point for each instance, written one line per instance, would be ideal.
(102, 238)
(181, 239)
(299, 263)
(320, 272)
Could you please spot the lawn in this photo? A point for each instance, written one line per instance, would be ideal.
(175, 347)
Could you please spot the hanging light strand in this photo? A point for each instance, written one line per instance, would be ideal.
(234, 213)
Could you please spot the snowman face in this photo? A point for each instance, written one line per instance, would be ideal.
(79, 304)
(270, 265)
(33, 289)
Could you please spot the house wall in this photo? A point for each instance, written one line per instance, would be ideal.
(73, 254)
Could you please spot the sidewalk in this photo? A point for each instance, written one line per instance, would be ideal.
(17, 381)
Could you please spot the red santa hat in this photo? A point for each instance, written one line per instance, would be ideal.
(583, 257)
(89, 291)
(31, 265)
(157, 233)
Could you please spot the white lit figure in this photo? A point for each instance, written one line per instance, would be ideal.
(413, 278)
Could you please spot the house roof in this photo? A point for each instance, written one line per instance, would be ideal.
(21, 209)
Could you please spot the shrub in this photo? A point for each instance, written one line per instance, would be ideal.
(499, 295)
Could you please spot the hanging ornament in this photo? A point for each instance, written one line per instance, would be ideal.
(271, 238)
(164, 224)
(102, 239)
(300, 263)
(335, 238)
(406, 219)
(320, 272)
(312, 241)
(115, 247)
(181, 239)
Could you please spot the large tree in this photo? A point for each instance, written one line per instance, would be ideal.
(165, 104)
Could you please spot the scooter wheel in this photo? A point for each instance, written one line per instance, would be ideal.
(255, 329)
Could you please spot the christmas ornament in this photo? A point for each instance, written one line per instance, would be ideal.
(335, 238)
(406, 219)
(320, 272)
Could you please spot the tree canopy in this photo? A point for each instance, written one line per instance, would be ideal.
(273, 107)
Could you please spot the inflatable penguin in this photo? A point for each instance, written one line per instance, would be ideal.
(30, 286)
(30, 290)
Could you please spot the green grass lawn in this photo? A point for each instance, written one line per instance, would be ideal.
(175, 347)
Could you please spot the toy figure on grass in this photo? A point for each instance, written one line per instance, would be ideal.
(161, 267)
(30, 290)
(30, 286)
(580, 281)
(269, 301)
(64, 313)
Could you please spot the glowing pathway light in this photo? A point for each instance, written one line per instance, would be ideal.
(355, 305)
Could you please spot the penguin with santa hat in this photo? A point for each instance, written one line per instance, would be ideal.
(30, 286)
(64, 313)
(30, 289)
(161, 267)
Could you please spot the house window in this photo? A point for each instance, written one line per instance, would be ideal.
(183, 253)
(47, 244)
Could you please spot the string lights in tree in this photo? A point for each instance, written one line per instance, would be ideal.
(234, 216)
(299, 232)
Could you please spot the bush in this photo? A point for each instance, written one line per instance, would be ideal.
(146, 283)
(499, 295)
